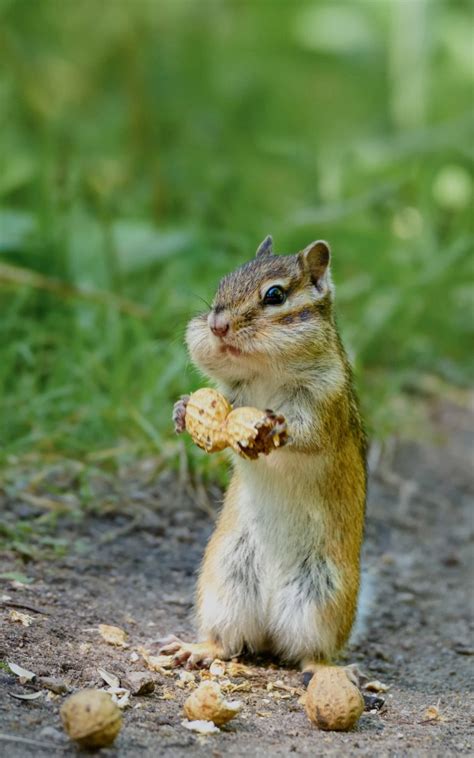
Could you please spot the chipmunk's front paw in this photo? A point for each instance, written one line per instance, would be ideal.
(275, 426)
(191, 655)
(179, 414)
(272, 433)
(252, 432)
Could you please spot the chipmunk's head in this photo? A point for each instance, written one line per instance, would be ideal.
(274, 311)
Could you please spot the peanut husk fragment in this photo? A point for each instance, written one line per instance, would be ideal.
(207, 703)
(113, 635)
(201, 727)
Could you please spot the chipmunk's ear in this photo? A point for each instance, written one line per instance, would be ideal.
(265, 247)
(315, 259)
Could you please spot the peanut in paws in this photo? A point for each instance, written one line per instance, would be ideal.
(206, 413)
(213, 425)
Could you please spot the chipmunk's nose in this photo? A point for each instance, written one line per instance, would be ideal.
(218, 323)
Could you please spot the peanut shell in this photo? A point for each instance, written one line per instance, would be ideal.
(333, 702)
(207, 703)
(206, 412)
(91, 718)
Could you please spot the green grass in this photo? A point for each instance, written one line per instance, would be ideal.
(145, 150)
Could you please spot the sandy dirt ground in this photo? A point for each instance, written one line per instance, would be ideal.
(129, 558)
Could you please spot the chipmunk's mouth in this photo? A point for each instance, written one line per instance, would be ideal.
(231, 350)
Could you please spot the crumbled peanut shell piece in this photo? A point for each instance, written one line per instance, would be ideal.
(208, 703)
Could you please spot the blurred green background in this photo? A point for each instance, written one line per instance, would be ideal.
(147, 147)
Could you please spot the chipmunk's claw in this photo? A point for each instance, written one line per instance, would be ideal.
(179, 414)
(275, 427)
(168, 645)
(270, 434)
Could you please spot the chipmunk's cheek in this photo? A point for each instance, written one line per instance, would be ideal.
(198, 339)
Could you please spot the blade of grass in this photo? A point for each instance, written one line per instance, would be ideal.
(23, 277)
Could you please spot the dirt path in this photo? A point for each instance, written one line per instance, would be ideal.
(131, 561)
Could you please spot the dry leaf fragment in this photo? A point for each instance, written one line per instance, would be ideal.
(167, 695)
(113, 635)
(24, 674)
(26, 695)
(110, 679)
(22, 618)
(242, 687)
(376, 686)
(279, 685)
(186, 679)
(200, 726)
(207, 702)
(51, 697)
(238, 669)
(120, 696)
(432, 713)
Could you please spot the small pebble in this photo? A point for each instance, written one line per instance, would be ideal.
(139, 682)
(52, 683)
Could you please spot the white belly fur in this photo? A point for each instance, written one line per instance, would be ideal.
(280, 528)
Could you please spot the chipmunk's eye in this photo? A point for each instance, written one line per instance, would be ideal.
(274, 296)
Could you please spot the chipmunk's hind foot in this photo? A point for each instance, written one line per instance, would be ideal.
(191, 655)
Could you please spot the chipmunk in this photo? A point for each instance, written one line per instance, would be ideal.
(281, 570)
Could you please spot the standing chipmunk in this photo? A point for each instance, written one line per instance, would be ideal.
(281, 570)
